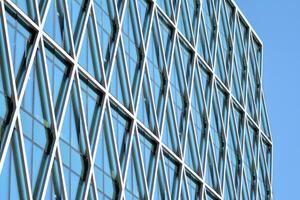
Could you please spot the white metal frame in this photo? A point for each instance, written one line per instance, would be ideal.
(156, 13)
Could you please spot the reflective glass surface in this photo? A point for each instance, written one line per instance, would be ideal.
(136, 99)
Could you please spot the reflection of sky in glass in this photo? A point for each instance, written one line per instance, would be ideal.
(277, 23)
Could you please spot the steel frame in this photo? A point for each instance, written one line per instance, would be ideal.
(156, 13)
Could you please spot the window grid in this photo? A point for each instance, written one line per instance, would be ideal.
(120, 119)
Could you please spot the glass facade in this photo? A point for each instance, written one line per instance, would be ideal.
(131, 99)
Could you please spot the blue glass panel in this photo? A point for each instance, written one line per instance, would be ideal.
(37, 124)
(27, 7)
(21, 42)
(211, 176)
(5, 88)
(135, 188)
(220, 67)
(217, 134)
(73, 145)
(160, 185)
(202, 44)
(105, 17)
(144, 13)
(194, 9)
(166, 6)
(92, 102)
(187, 61)
(170, 137)
(210, 23)
(12, 180)
(148, 149)
(59, 75)
(106, 173)
(77, 13)
(156, 71)
(89, 57)
(166, 33)
(146, 111)
(184, 21)
(194, 188)
(133, 47)
(191, 150)
(121, 125)
(56, 25)
(179, 94)
(198, 113)
(118, 85)
(172, 172)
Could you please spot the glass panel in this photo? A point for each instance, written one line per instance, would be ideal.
(170, 137)
(166, 38)
(12, 180)
(211, 176)
(254, 77)
(250, 157)
(133, 47)
(223, 103)
(172, 172)
(160, 185)
(135, 188)
(77, 14)
(264, 173)
(156, 71)
(191, 150)
(236, 87)
(225, 37)
(184, 192)
(251, 110)
(105, 168)
(54, 190)
(73, 148)
(184, 21)
(91, 193)
(233, 149)
(92, 102)
(59, 76)
(206, 81)
(118, 85)
(264, 122)
(144, 13)
(210, 196)
(210, 23)
(229, 192)
(220, 66)
(240, 60)
(194, 188)
(148, 149)
(194, 8)
(179, 94)
(217, 136)
(166, 6)
(89, 57)
(202, 44)
(36, 124)
(198, 113)
(230, 14)
(21, 42)
(56, 25)
(187, 61)
(146, 111)
(6, 110)
(27, 7)
(105, 17)
(121, 126)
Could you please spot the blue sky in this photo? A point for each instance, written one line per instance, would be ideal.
(277, 23)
